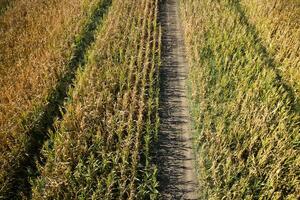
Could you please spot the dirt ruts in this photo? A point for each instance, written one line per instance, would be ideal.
(177, 177)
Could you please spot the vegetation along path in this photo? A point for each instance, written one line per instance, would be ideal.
(175, 154)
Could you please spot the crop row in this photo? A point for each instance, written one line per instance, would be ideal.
(278, 24)
(42, 42)
(101, 149)
(247, 145)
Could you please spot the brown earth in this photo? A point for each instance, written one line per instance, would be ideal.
(177, 176)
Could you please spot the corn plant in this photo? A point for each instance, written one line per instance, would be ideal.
(101, 148)
(247, 126)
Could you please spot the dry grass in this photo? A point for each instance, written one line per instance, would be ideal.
(37, 40)
(248, 133)
(278, 23)
(101, 148)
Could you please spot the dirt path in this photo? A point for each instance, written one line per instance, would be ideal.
(175, 154)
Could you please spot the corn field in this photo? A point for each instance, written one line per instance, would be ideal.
(245, 114)
(81, 93)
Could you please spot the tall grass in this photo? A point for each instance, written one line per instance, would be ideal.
(101, 147)
(38, 39)
(248, 133)
(278, 23)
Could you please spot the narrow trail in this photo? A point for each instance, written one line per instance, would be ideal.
(175, 155)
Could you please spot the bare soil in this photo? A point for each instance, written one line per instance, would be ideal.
(177, 176)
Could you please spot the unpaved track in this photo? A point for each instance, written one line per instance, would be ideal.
(175, 155)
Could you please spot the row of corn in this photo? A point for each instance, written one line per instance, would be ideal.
(101, 146)
(247, 141)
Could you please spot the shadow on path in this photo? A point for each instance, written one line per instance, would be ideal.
(175, 154)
